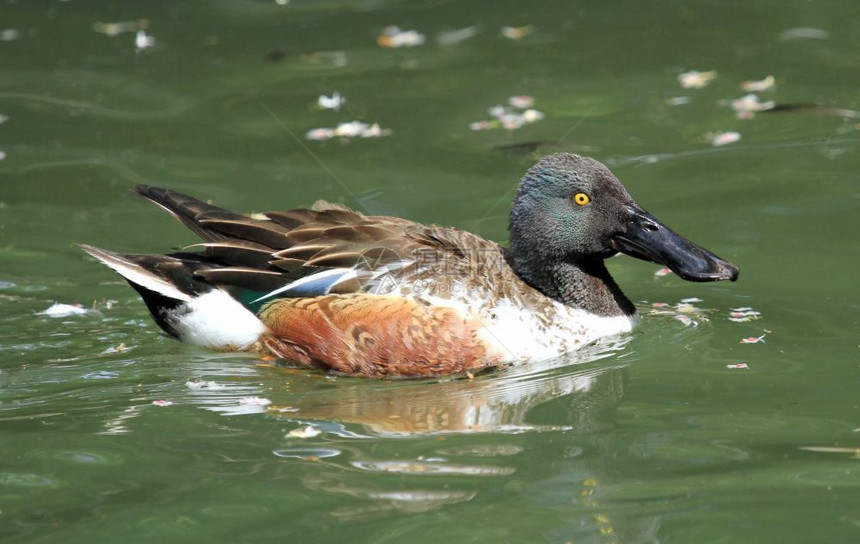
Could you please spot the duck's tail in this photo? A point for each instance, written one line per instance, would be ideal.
(185, 307)
(187, 209)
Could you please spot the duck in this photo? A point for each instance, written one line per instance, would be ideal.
(333, 289)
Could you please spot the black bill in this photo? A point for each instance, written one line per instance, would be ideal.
(648, 239)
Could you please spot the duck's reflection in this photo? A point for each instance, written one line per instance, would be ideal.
(363, 477)
(500, 402)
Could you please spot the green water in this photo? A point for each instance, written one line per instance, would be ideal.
(650, 438)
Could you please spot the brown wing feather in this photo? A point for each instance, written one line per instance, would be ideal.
(183, 207)
(253, 230)
(260, 281)
(241, 253)
(291, 244)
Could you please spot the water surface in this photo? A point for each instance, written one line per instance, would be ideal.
(112, 432)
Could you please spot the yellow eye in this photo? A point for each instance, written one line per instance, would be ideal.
(581, 199)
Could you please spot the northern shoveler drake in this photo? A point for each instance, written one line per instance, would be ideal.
(335, 289)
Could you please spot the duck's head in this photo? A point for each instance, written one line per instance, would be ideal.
(572, 209)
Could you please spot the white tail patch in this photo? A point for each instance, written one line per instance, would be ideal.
(217, 321)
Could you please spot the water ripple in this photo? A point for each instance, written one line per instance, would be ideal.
(176, 105)
(431, 467)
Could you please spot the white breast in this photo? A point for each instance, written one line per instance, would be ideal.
(524, 335)
(520, 333)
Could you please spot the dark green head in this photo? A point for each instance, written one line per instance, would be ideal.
(571, 210)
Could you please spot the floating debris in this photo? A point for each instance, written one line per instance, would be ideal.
(196, 385)
(63, 310)
(121, 348)
(9, 34)
(532, 116)
(143, 41)
(742, 315)
(753, 340)
(517, 32)
(765, 84)
(685, 311)
(684, 319)
(162, 403)
(723, 138)
(108, 303)
(393, 37)
(521, 102)
(318, 134)
(747, 106)
(333, 102)
(695, 79)
(254, 401)
(804, 33)
(3, 118)
(357, 128)
(662, 272)
(510, 117)
(352, 129)
(283, 409)
(308, 431)
(2, 155)
(737, 366)
(686, 308)
(497, 111)
(453, 37)
(115, 29)
(483, 125)
(678, 100)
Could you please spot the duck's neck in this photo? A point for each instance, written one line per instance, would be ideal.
(584, 283)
